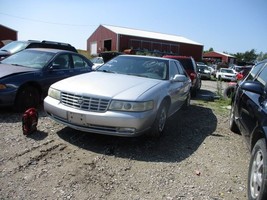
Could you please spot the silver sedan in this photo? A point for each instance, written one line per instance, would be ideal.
(128, 96)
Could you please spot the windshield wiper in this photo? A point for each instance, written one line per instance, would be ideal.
(19, 65)
(141, 75)
(107, 71)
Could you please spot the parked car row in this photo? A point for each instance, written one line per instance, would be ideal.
(129, 95)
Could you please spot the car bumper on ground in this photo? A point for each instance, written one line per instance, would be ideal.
(115, 123)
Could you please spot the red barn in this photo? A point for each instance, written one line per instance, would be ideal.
(7, 34)
(219, 57)
(113, 38)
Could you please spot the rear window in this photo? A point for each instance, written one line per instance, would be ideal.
(187, 63)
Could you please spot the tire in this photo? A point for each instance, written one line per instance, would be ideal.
(232, 124)
(27, 97)
(193, 92)
(229, 92)
(187, 102)
(257, 174)
(160, 121)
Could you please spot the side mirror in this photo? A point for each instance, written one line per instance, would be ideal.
(253, 86)
(179, 78)
(54, 66)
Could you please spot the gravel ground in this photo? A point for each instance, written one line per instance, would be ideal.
(198, 158)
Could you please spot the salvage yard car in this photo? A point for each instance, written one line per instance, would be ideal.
(26, 76)
(204, 71)
(126, 96)
(226, 74)
(16, 46)
(249, 116)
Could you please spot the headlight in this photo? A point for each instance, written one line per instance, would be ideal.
(2, 86)
(131, 106)
(54, 93)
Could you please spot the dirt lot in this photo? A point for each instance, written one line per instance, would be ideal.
(198, 158)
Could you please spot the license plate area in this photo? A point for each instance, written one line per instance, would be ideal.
(76, 118)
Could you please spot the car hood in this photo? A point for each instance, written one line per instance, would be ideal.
(107, 85)
(6, 70)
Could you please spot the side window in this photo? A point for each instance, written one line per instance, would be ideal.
(262, 78)
(173, 70)
(254, 71)
(62, 62)
(180, 69)
(79, 62)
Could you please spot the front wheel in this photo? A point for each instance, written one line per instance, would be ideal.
(232, 124)
(257, 175)
(27, 97)
(160, 121)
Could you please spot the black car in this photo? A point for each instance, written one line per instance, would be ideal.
(16, 46)
(26, 76)
(249, 117)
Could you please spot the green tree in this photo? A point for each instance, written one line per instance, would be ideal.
(210, 49)
(261, 56)
(247, 57)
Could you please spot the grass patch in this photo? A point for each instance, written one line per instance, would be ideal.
(220, 106)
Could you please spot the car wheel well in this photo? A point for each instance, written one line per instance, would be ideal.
(257, 135)
(32, 84)
(168, 102)
(28, 95)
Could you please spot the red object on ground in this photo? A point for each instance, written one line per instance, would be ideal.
(29, 121)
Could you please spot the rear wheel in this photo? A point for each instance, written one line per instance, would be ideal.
(27, 97)
(229, 92)
(193, 92)
(257, 175)
(160, 121)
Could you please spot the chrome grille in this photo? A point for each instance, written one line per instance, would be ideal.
(84, 102)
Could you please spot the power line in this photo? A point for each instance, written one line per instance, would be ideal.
(46, 22)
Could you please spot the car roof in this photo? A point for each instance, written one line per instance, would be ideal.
(48, 50)
(142, 56)
(177, 57)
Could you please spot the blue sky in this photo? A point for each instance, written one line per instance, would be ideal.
(230, 26)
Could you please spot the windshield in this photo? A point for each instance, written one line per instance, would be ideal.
(137, 66)
(15, 46)
(227, 71)
(29, 58)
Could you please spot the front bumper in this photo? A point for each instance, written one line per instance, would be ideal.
(7, 97)
(115, 123)
(230, 78)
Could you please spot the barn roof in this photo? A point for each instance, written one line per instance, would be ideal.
(216, 53)
(148, 34)
(1, 25)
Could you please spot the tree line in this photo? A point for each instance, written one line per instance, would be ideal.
(249, 57)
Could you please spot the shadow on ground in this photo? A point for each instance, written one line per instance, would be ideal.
(185, 132)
